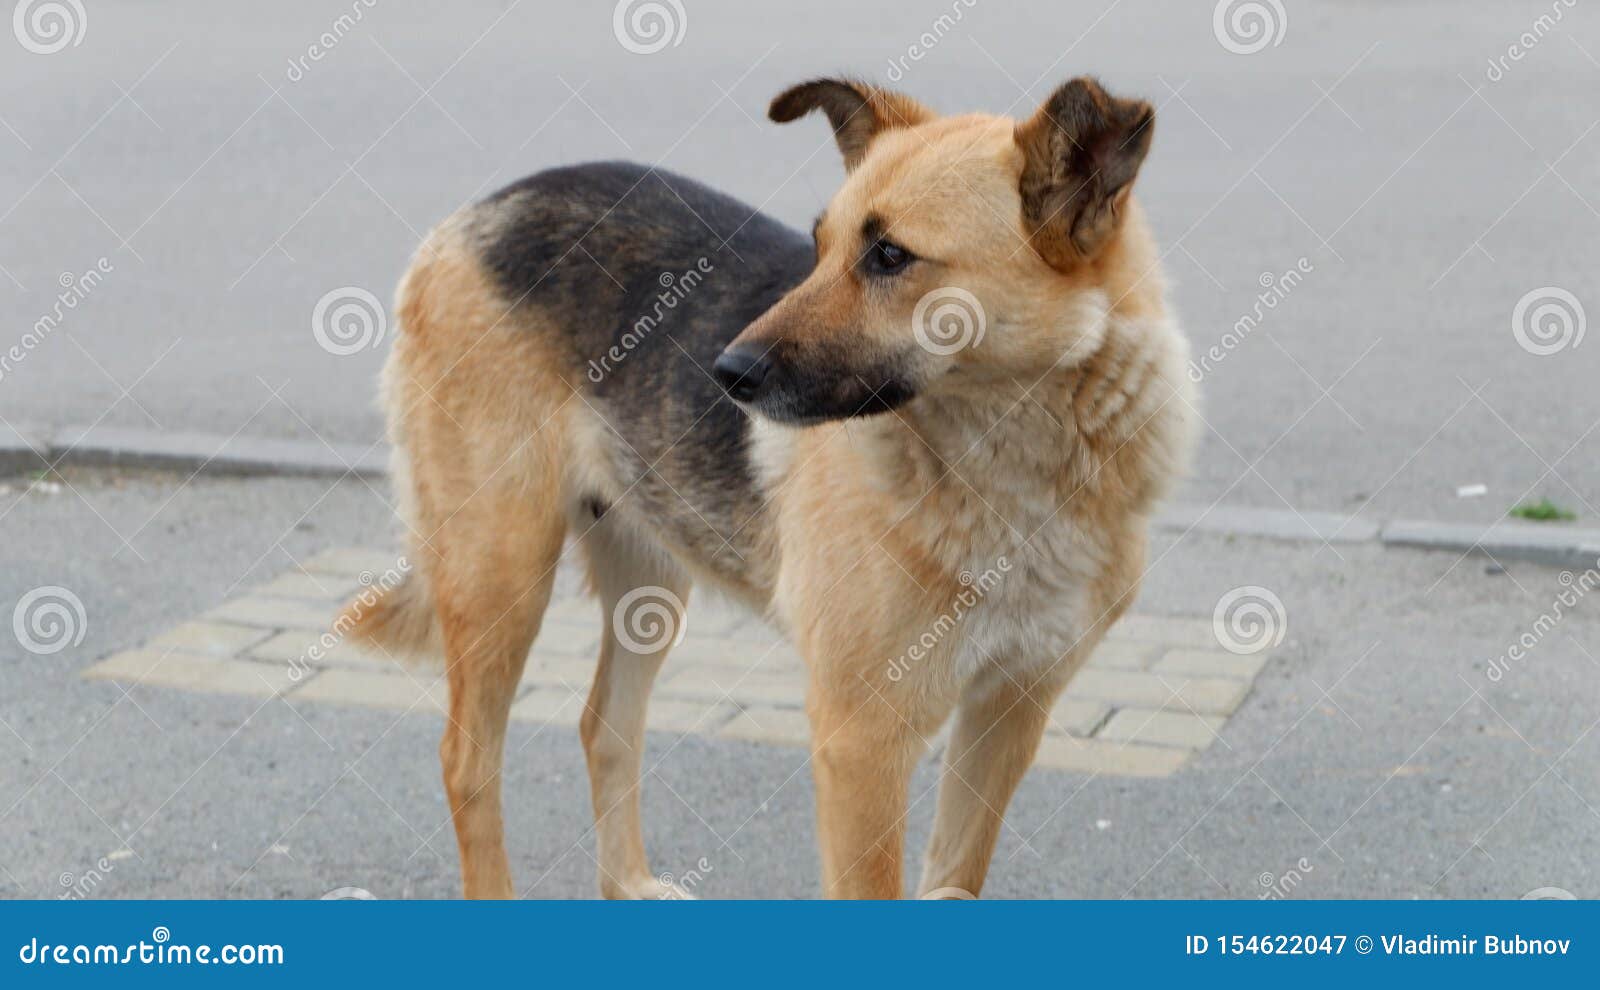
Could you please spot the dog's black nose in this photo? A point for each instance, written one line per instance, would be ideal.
(741, 373)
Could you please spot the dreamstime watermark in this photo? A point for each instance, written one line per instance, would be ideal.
(1548, 320)
(681, 886)
(75, 288)
(928, 40)
(347, 320)
(948, 894)
(1528, 40)
(1277, 887)
(1245, 27)
(77, 887)
(674, 289)
(45, 27)
(49, 619)
(974, 588)
(1573, 589)
(159, 951)
(649, 619)
(1549, 894)
(348, 894)
(947, 320)
(1249, 619)
(373, 588)
(1275, 288)
(328, 40)
(645, 27)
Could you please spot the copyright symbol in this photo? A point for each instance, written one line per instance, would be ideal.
(1363, 944)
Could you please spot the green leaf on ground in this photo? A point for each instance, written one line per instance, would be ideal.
(1543, 510)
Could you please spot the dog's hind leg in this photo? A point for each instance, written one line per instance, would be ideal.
(491, 583)
(476, 398)
(642, 596)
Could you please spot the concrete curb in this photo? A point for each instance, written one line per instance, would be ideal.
(23, 451)
(1273, 524)
(1551, 544)
(1557, 546)
(202, 453)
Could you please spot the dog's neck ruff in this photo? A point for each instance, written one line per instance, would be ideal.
(1006, 464)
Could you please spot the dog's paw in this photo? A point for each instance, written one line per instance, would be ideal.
(662, 888)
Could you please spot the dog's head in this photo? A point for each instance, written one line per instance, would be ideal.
(959, 251)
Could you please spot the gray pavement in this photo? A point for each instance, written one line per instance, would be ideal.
(229, 179)
(1375, 757)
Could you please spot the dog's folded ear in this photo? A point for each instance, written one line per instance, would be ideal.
(856, 110)
(1081, 151)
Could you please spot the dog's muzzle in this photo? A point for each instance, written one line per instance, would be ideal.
(742, 373)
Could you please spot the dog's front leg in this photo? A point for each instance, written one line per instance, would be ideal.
(862, 754)
(998, 725)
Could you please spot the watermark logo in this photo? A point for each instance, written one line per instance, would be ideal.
(47, 620)
(81, 886)
(681, 887)
(348, 894)
(974, 588)
(1277, 887)
(1245, 27)
(1275, 288)
(674, 289)
(645, 27)
(949, 894)
(1528, 40)
(327, 41)
(45, 27)
(348, 320)
(373, 588)
(948, 320)
(1249, 619)
(928, 40)
(1548, 321)
(649, 619)
(75, 288)
(1573, 589)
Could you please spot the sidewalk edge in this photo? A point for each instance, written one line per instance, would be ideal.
(24, 451)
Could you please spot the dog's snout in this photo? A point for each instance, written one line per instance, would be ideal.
(741, 372)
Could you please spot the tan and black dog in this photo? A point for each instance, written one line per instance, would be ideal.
(971, 371)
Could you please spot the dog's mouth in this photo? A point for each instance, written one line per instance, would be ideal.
(807, 401)
(786, 384)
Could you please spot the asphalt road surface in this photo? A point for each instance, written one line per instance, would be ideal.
(1376, 756)
(1429, 170)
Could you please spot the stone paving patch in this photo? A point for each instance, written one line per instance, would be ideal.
(1157, 691)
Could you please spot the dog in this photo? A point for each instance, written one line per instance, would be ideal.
(969, 368)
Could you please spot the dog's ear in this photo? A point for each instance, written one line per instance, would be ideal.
(1081, 151)
(856, 110)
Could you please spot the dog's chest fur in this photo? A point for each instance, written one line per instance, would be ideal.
(998, 513)
(1022, 509)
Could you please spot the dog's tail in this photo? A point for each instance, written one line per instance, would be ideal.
(396, 619)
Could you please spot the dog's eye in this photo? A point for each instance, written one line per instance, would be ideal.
(887, 258)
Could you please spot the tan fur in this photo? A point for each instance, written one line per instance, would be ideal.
(1036, 456)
